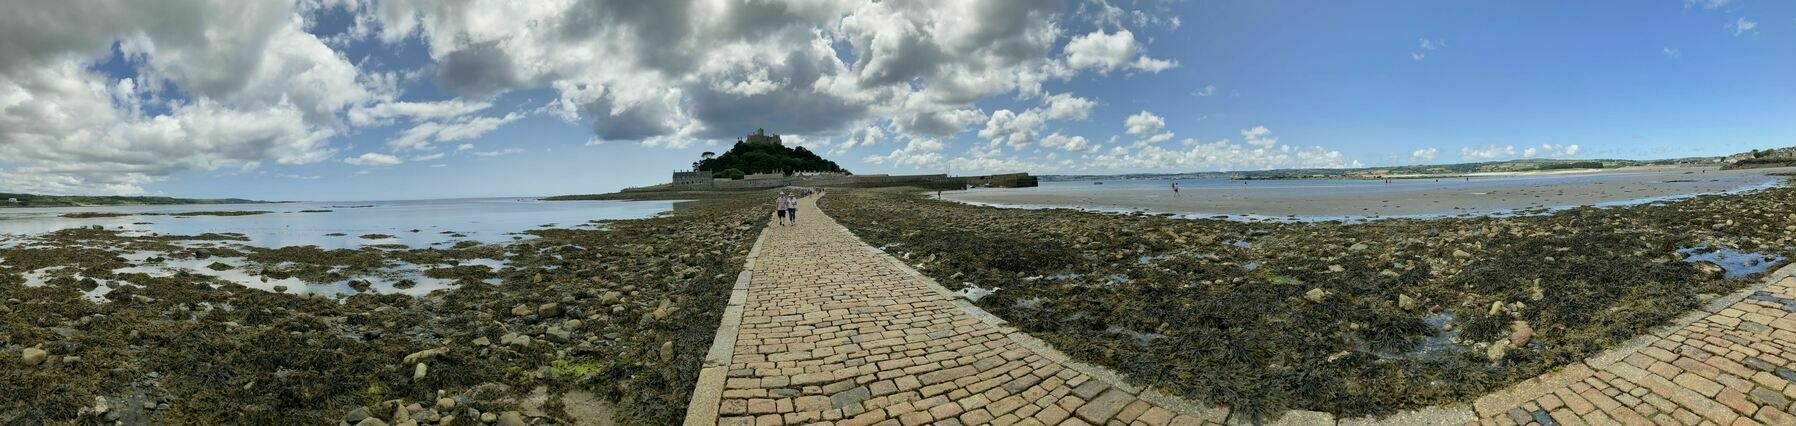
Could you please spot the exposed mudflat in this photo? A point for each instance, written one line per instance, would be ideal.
(604, 321)
(1350, 318)
(1327, 199)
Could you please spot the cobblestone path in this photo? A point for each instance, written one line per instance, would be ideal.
(1728, 367)
(834, 331)
(824, 329)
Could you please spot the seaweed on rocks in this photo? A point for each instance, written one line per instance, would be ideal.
(1349, 318)
(625, 314)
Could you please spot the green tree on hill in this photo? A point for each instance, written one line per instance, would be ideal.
(763, 153)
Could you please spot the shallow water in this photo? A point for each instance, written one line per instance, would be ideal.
(1736, 263)
(438, 222)
(1354, 200)
(485, 220)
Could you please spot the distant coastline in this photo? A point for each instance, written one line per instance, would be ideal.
(13, 200)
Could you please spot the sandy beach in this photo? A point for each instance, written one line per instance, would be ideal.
(1368, 198)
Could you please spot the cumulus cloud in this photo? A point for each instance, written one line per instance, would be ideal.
(920, 153)
(1493, 152)
(1068, 107)
(1147, 126)
(1206, 91)
(1673, 53)
(374, 159)
(1486, 153)
(1064, 142)
(218, 84)
(1105, 52)
(1259, 137)
(1424, 155)
(1219, 155)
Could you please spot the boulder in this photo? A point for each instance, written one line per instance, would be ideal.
(445, 404)
(520, 310)
(1461, 254)
(419, 372)
(355, 416)
(1709, 270)
(548, 310)
(512, 418)
(1520, 333)
(1497, 350)
(1315, 295)
(667, 352)
(34, 356)
(1405, 302)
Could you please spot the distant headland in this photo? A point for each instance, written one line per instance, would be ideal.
(35, 200)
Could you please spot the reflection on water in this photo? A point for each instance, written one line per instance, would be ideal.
(416, 223)
(328, 225)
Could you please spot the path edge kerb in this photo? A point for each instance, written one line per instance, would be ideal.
(707, 393)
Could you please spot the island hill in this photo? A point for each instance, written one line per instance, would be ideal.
(35, 200)
(761, 161)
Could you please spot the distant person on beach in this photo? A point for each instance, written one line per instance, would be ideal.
(1175, 189)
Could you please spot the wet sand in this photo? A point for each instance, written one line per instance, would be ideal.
(1478, 195)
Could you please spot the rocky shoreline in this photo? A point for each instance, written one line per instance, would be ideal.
(1354, 319)
(575, 324)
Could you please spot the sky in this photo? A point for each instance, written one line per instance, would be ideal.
(406, 99)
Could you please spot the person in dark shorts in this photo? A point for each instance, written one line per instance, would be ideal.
(779, 208)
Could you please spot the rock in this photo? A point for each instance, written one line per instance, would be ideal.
(280, 289)
(573, 324)
(520, 310)
(511, 418)
(522, 341)
(557, 334)
(1496, 350)
(1336, 268)
(1520, 333)
(1405, 302)
(482, 341)
(1461, 254)
(488, 417)
(1359, 247)
(407, 423)
(660, 313)
(1709, 270)
(425, 355)
(101, 405)
(1496, 308)
(1315, 295)
(548, 310)
(611, 297)
(356, 415)
(667, 352)
(34, 356)
(419, 372)
(371, 422)
(400, 414)
(445, 404)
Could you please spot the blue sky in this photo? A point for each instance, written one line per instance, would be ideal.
(386, 99)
